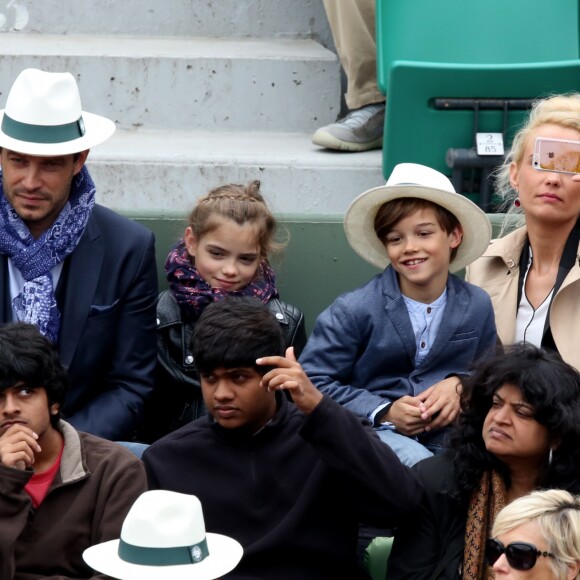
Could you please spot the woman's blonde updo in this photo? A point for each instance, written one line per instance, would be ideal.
(562, 110)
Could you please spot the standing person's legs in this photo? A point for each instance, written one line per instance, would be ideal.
(352, 23)
(353, 29)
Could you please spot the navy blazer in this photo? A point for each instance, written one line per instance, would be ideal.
(362, 349)
(107, 334)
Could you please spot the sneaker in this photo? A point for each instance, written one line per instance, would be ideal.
(360, 130)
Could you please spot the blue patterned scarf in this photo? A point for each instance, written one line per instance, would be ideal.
(34, 258)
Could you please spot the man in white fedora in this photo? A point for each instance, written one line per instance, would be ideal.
(394, 350)
(61, 490)
(164, 538)
(84, 275)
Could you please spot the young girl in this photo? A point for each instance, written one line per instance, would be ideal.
(224, 252)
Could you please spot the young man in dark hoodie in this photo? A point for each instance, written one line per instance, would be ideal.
(289, 480)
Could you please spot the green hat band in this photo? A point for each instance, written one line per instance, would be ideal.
(43, 133)
(163, 556)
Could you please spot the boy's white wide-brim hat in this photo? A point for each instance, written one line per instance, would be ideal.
(414, 180)
(165, 526)
(43, 116)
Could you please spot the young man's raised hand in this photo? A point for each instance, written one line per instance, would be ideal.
(18, 445)
(290, 376)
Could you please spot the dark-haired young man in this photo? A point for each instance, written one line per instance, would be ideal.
(60, 490)
(289, 481)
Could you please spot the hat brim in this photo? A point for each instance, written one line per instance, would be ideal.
(224, 555)
(97, 130)
(359, 222)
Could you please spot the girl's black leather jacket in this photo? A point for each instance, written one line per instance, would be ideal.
(177, 399)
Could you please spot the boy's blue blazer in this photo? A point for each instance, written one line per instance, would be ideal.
(362, 349)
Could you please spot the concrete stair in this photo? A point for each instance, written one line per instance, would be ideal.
(202, 92)
(190, 83)
(214, 18)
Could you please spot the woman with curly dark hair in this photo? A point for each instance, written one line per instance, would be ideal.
(518, 430)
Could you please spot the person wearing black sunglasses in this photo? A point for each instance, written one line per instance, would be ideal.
(519, 555)
(537, 536)
(517, 432)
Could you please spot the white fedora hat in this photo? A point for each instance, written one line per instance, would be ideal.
(43, 116)
(163, 538)
(419, 181)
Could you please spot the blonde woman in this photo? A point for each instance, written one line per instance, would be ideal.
(537, 536)
(532, 274)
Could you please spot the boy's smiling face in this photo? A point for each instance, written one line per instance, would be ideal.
(420, 251)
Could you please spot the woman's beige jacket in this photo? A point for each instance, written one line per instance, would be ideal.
(497, 272)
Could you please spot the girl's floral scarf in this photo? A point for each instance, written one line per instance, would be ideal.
(193, 293)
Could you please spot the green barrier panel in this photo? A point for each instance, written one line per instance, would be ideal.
(316, 266)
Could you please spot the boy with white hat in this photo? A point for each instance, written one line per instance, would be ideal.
(84, 275)
(394, 350)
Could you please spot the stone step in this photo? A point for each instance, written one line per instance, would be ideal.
(189, 83)
(225, 18)
(168, 170)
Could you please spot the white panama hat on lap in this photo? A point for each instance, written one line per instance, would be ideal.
(164, 538)
(419, 181)
(43, 116)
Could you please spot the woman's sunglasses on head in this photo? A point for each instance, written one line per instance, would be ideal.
(520, 555)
